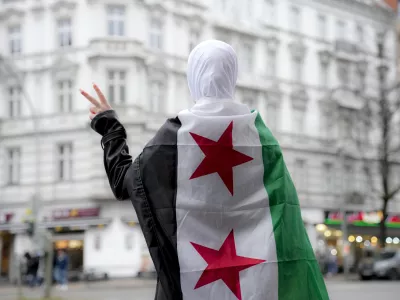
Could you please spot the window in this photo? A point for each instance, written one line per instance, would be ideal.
(116, 20)
(349, 180)
(271, 63)
(65, 161)
(13, 162)
(343, 73)
(247, 57)
(327, 125)
(156, 97)
(297, 69)
(272, 115)
(300, 175)
(270, 10)
(64, 32)
(14, 101)
(14, 36)
(322, 29)
(156, 34)
(64, 90)
(347, 127)
(360, 34)
(324, 80)
(298, 121)
(295, 18)
(329, 177)
(368, 182)
(360, 80)
(340, 30)
(129, 242)
(194, 37)
(116, 86)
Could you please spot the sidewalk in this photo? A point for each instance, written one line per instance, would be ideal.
(342, 278)
(10, 291)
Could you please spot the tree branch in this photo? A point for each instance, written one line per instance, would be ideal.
(393, 193)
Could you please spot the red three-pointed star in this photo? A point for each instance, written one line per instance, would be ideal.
(224, 264)
(220, 157)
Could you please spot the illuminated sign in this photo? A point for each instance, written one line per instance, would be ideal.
(371, 219)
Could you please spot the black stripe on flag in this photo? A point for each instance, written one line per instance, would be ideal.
(154, 199)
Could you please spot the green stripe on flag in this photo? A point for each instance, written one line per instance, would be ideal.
(299, 276)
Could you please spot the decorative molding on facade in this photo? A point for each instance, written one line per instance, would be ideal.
(362, 66)
(157, 70)
(298, 49)
(64, 68)
(157, 10)
(38, 9)
(272, 43)
(299, 98)
(325, 57)
(274, 95)
(62, 6)
(115, 2)
(12, 15)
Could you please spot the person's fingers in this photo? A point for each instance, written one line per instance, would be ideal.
(90, 98)
(100, 94)
(93, 109)
(91, 116)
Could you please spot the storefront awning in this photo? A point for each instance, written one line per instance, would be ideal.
(80, 222)
(130, 220)
(14, 227)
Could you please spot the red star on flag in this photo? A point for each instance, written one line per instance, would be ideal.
(220, 157)
(224, 264)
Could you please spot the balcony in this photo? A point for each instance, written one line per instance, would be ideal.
(347, 50)
(115, 47)
(46, 124)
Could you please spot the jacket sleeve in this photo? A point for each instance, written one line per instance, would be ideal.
(117, 161)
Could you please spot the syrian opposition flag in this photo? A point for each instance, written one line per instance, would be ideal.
(233, 228)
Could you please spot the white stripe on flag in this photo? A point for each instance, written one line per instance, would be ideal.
(207, 212)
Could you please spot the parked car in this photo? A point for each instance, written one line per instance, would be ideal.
(385, 264)
(93, 274)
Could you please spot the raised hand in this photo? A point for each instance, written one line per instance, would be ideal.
(98, 106)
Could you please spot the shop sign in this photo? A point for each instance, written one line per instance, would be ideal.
(361, 219)
(67, 214)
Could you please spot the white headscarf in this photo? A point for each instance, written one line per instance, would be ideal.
(212, 71)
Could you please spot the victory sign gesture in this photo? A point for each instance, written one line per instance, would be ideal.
(98, 106)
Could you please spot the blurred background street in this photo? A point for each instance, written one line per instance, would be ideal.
(323, 74)
(144, 290)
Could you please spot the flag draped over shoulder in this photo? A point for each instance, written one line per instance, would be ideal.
(218, 209)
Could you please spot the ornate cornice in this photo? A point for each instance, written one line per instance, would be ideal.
(12, 15)
(63, 5)
(157, 10)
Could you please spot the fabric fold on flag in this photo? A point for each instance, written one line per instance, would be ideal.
(217, 207)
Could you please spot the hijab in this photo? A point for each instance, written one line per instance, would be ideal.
(212, 74)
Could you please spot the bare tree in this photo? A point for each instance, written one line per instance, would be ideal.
(378, 115)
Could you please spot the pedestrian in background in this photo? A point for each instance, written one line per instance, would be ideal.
(61, 269)
(32, 269)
